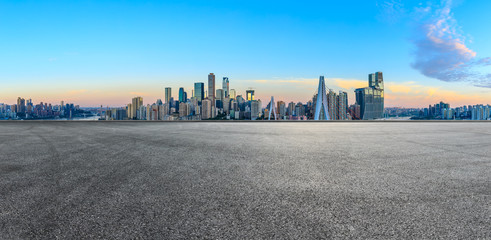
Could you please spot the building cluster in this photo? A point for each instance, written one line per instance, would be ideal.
(203, 103)
(210, 102)
(222, 103)
(444, 111)
(26, 109)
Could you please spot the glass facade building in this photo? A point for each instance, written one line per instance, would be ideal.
(199, 91)
(371, 98)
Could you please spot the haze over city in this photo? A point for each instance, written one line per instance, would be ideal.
(105, 53)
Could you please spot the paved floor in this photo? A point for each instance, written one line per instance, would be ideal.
(122, 180)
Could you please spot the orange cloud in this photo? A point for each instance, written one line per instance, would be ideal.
(348, 84)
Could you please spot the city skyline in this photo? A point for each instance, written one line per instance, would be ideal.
(432, 51)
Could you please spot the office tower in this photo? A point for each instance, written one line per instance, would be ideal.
(199, 91)
(136, 103)
(225, 87)
(281, 109)
(255, 109)
(226, 105)
(300, 109)
(321, 107)
(182, 95)
(21, 105)
(371, 98)
(250, 95)
(342, 105)
(272, 109)
(232, 94)
(291, 109)
(183, 109)
(332, 104)
(129, 112)
(211, 88)
(219, 98)
(168, 94)
(206, 109)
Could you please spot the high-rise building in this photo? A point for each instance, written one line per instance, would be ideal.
(199, 91)
(225, 87)
(332, 104)
(291, 109)
(232, 94)
(342, 106)
(219, 98)
(168, 94)
(255, 109)
(182, 95)
(300, 109)
(371, 98)
(21, 105)
(136, 103)
(250, 95)
(281, 109)
(206, 109)
(183, 109)
(211, 88)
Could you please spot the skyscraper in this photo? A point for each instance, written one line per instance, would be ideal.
(168, 94)
(206, 109)
(199, 91)
(225, 87)
(211, 88)
(321, 108)
(250, 95)
(371, 98)
(342, 106)
(182, 95)
(136, 103)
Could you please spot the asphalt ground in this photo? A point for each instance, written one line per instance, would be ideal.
(229, 180)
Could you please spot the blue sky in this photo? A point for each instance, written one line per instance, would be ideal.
(105, 52)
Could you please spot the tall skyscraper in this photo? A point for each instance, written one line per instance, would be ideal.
(225, 87)
(321, 107)
(371, 98)
(136, 103)
(199, 91)
(21, 105)
(182, 95)
(211, 88)
(281, 109)
(168, 94)
(342, 106)
(255, 109)
(250, 95)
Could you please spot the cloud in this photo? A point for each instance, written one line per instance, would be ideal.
(440, 49)
(399, 88)
(391, 11)
(348, 84)
(410, 94)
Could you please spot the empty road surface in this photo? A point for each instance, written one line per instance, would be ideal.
(245, 180)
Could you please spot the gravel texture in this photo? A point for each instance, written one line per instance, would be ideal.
(245, 180)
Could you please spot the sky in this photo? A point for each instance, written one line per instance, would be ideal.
(96, 53)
